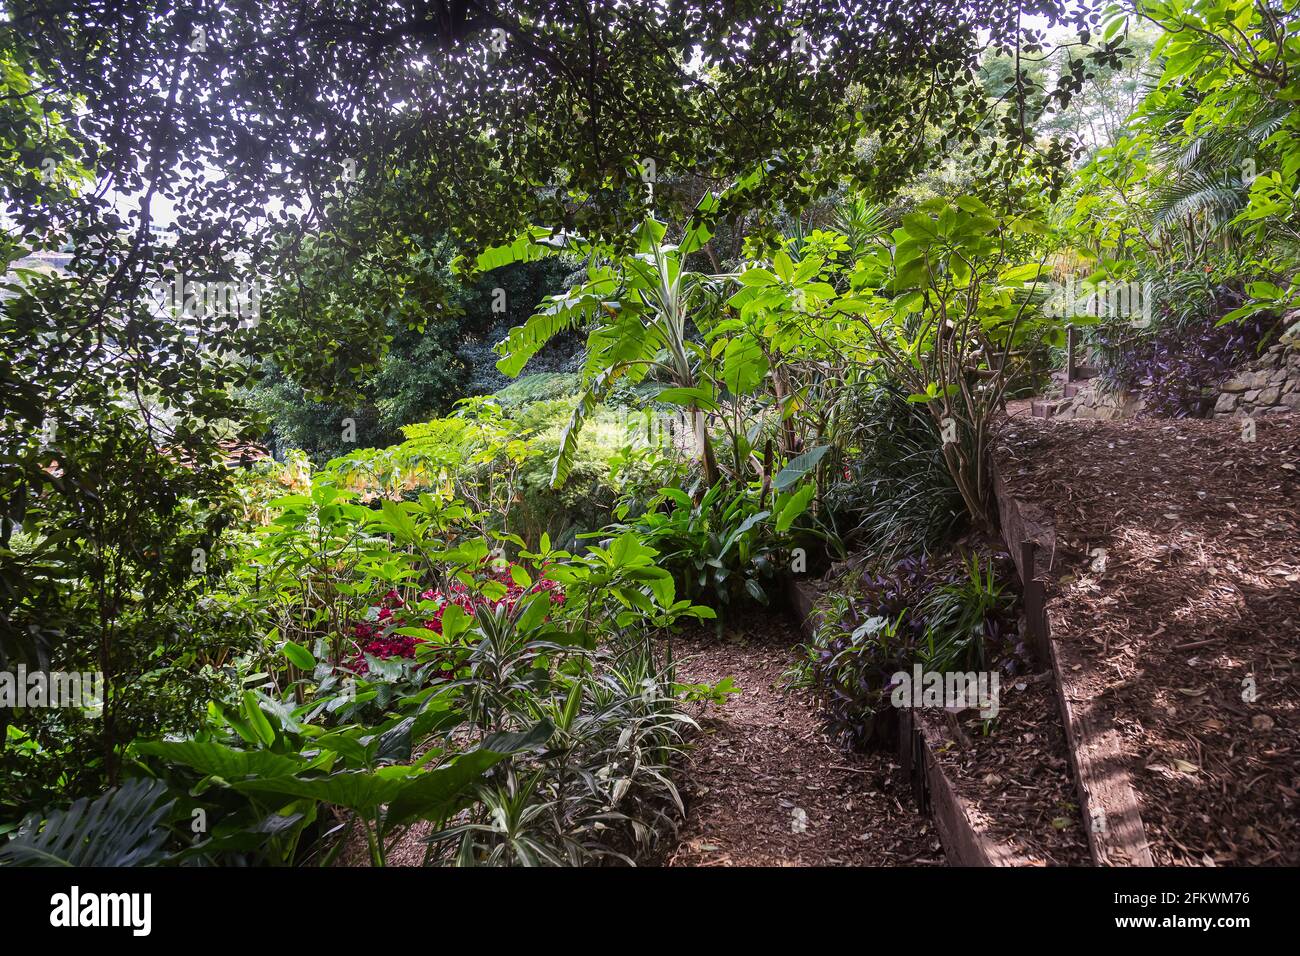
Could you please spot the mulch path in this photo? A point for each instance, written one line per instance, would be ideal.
(1176, 580)
(764, 785)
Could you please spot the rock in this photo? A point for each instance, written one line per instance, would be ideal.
(1251, 396)
(1234, 385)
(1226, 403)
(1270, 395)
(1292, 401)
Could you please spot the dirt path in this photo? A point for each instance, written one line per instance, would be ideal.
(1174, 594)
(764, 787)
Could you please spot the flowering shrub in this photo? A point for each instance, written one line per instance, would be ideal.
(375, 638)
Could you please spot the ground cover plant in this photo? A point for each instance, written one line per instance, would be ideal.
(879, 622)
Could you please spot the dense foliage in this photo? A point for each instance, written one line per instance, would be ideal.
(571, 326)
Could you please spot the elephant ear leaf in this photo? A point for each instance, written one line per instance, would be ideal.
(121, 828)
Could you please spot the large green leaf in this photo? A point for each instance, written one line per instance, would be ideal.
(535, 244)
(558, 314)
(743, 365)
(359, 790)
(121, 828)
(792, 507)
(218, 760)
(799, 467)
(699, 397)
(699, 229)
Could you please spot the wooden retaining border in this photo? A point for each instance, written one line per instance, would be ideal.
(1106, 796)
(965, 841)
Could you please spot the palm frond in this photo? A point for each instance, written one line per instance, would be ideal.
(1197, 197)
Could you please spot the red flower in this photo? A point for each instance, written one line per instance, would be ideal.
(373, 642)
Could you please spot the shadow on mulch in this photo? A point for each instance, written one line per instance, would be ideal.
(764, 785)
(1177, 581)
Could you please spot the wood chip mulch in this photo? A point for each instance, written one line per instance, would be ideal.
(765, 787)
(1176, 580)
(1017, 779)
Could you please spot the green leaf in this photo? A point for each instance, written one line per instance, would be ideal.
(217, 760)
(744, 365)
(437, 794)
(299, 656)
(698, 397)
(744, 526)
(123, 827)
(783, 266)
(252, 711)
(359, 790)
(757, 277)
(535, 244)
(794, 506)
(799, 467)
(454, 621)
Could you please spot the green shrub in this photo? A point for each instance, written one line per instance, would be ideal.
(895, 491)
(723, 548)
(877, 623)
(533, 721)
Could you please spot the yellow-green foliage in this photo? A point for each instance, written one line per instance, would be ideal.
(500, 462)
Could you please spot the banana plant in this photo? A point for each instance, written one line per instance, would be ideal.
(638, 310)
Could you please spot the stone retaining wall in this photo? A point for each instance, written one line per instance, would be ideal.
(1270, 385)
(1091, 402)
